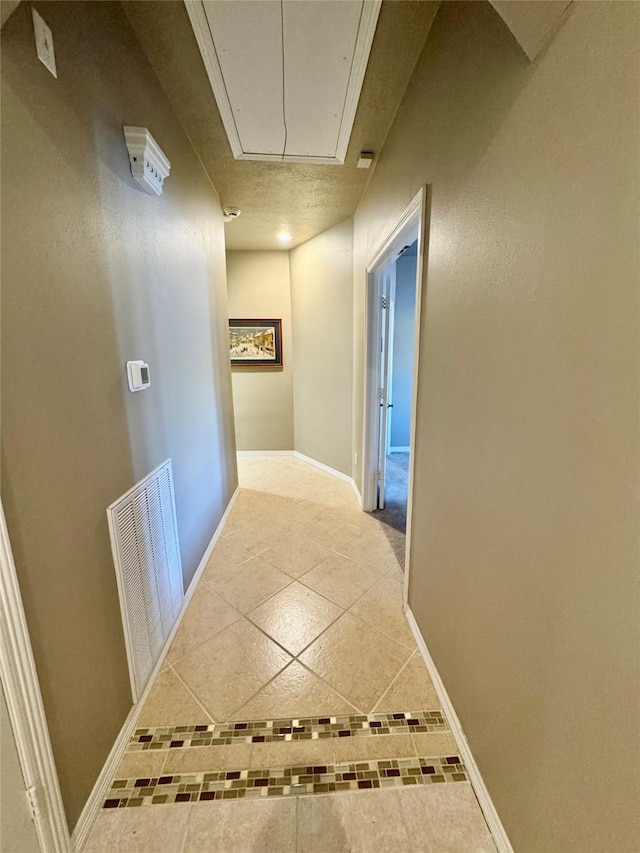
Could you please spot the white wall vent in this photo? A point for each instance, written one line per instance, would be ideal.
(146, 553)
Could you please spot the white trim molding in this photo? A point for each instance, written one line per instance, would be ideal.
(204, 36)
(415, 219)
(421, 290)
(412, 219)
(500, 838)
(333, 471)
(392, 242)
(101, 787)
(244, 453)
(26, 710)
(323, 467)
(366, 32)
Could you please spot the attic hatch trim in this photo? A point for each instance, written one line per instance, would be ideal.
(366, 30)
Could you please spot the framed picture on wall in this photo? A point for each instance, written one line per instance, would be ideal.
(255, 343)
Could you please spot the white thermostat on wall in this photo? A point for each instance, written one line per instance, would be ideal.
(138, 375)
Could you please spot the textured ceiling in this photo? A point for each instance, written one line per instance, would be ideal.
(302, 198)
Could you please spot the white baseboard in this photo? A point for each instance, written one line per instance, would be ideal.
(323, 467)
(265, 453)
(333, 471)
(94, 803)
(500, 838)
(399, 449)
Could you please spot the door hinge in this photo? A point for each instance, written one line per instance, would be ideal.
(34, 805)
(381, 395)
(377, 475)
(384, 302)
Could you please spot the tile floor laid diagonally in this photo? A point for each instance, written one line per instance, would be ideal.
(293, 710)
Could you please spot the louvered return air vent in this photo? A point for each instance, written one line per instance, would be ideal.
(146, 553)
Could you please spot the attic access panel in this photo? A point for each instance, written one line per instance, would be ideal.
(286, 75)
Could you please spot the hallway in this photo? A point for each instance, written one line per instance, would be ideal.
(296, 630)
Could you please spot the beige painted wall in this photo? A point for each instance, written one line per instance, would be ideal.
(95, 272)
(258, 287)
(525, 549)
(7, 8)
(532, 24)
(322, 303)
(18, 833)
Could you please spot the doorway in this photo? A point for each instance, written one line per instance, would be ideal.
(393, 485)
(394, 278)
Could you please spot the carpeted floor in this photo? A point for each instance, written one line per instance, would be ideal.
(394, 514)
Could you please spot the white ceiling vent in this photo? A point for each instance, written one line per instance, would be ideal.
(286, 75)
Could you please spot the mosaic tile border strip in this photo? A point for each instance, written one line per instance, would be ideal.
(284, 781)
(274, 731)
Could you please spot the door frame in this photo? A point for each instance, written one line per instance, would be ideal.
(384, 278)
(26, 710)
(392, 334)
(413, 220)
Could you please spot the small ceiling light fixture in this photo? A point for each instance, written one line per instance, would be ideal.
(365, 160)
(231, 213)
(283, 237)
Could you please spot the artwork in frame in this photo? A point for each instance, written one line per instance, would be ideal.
(255, 343)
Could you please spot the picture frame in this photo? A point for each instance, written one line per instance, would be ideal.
(255, 343)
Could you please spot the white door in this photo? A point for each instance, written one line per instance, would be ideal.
(386, 287)
(391, 313)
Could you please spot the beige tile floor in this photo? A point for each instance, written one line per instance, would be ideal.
(298, 612)
(437, 819)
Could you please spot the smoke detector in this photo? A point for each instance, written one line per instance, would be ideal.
(231, 213)
(365, 159)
